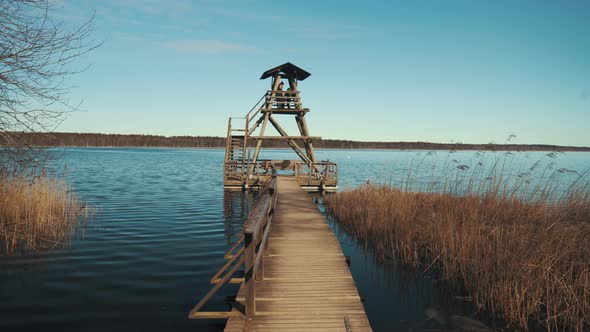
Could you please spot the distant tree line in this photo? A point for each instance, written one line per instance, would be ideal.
(344, 144)
(104, 140)
(116, 140)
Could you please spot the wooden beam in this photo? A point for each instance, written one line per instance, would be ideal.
(258, 145)
(308, 152)
(284, 110)
(306, 133)
(287, 137)
(291, 142)
(214, 314)
(294, 91)
(258, 122)
(230, 281)
(216, 287)
(227, 265)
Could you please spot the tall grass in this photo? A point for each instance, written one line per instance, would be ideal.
(522, 253)
(36, 214)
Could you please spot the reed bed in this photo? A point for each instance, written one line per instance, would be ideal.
(524, 258)
(37, 214)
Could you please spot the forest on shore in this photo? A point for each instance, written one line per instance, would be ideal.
(56, 139)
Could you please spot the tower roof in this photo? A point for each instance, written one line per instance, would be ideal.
(287, 70)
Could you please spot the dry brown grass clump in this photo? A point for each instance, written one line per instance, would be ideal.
(522, 260)
(36, 214)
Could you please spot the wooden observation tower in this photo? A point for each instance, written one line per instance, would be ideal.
(243, 169)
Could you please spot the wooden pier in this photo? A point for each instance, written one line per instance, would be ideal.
(290, 267)
(296, 277)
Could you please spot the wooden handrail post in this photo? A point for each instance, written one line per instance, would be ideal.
(273, 199)
(260, 268)
(250, 256)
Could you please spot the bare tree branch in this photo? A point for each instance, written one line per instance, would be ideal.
(36, 56)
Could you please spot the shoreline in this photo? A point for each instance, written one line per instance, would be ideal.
(499, 149)
(59, 140)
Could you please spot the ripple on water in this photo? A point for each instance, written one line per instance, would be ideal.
(161, 227)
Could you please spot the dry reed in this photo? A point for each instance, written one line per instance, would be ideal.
(522, 258)
(36, 214)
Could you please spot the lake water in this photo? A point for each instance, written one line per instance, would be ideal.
(163, 223)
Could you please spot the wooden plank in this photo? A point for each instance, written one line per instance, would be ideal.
(214, 314)
(289, 111)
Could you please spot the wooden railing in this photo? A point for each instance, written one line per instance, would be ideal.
(314, 174)
(253, 113)
(256, 243)
(248, 252)
(283, 99)
(227, 140)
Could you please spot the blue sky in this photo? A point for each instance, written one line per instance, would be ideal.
(439, 71)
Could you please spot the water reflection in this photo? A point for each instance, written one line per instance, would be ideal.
(398, 298)
(236, 206)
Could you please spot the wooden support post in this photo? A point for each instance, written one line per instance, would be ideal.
(274, 86)
(293, 85)
(250, 283)
(294, 91)
(305, 132)
(306, 143)
(291, 142)
(258, 145)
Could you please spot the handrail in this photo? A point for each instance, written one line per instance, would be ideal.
(259, 221)
(259, 100)
(293, 92)
(250, 255)
(249, 117)
(227, 140)
(325, 172)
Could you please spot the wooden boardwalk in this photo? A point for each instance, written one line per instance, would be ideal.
(306, 284)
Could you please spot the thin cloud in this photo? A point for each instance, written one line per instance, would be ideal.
(209, 47)
(154, 7)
